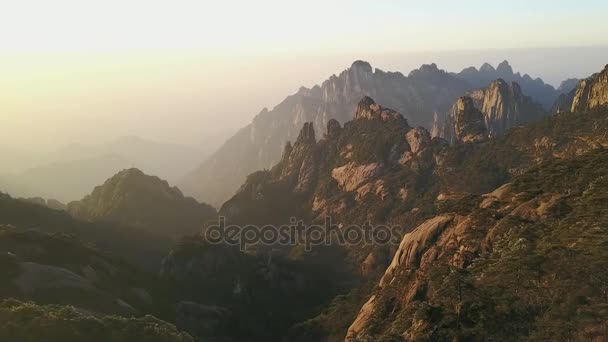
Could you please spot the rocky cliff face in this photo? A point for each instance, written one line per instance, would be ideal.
(457, 273)
(465, 123)
(132, 198)
(591, 93)
(258, 145)
(503, 106)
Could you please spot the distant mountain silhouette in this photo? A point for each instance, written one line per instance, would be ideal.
(71, 172)
(536, 88)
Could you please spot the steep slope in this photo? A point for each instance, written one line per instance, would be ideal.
(545, 94)
(132, 198)
(591, 93)
(378, 169)
(247, 297)
(503, 106)
(58, 269)
(138, 246)
(258, 145)
(526, 262)
(465, 123)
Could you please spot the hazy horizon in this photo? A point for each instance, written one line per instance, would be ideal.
(195, 72)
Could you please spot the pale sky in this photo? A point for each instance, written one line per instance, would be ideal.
(183, 71)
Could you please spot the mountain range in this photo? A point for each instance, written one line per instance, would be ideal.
(500, 225)
(424, 93)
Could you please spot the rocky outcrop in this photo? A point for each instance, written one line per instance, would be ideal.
(351, 175)
(418, 138)
(370, 110)
(563, 103)
(410, 250)
(465, 123)
(333, 128)
(449, 266)
(591, 93)
(503, 106)
(298, 166)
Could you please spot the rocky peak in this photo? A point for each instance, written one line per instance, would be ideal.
(504, 68)
(486, 67)
(418, 138)
(468, 122)
(591, 93)
(333, 128)
(298, 164)
(362, 66)
(425, 69)
(504, 106)
(287, 150)
(368, 109)
(133, 198)
(307, 134)
(568, 85)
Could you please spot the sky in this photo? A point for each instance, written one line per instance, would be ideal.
(193, 72)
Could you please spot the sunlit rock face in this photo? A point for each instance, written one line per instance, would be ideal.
(502, 105)
(591, 93)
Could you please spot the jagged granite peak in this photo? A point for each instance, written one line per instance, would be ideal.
(543, 93)
(132, 198)
(591, 93)
(486, 67)
(425, 69)
(298, 165)
(469, 125)
(307, 134)
(368, 109)
(568, 85)
(362, 66)
(503, 106)
(418, 138)
(504, 68)
(333, 128)
(259, 145)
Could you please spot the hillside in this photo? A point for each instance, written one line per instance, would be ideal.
(59, 269)
(23, 321)
(526, 262)
(132, 198)
(138, 246)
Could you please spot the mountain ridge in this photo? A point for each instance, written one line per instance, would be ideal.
(418, 96)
